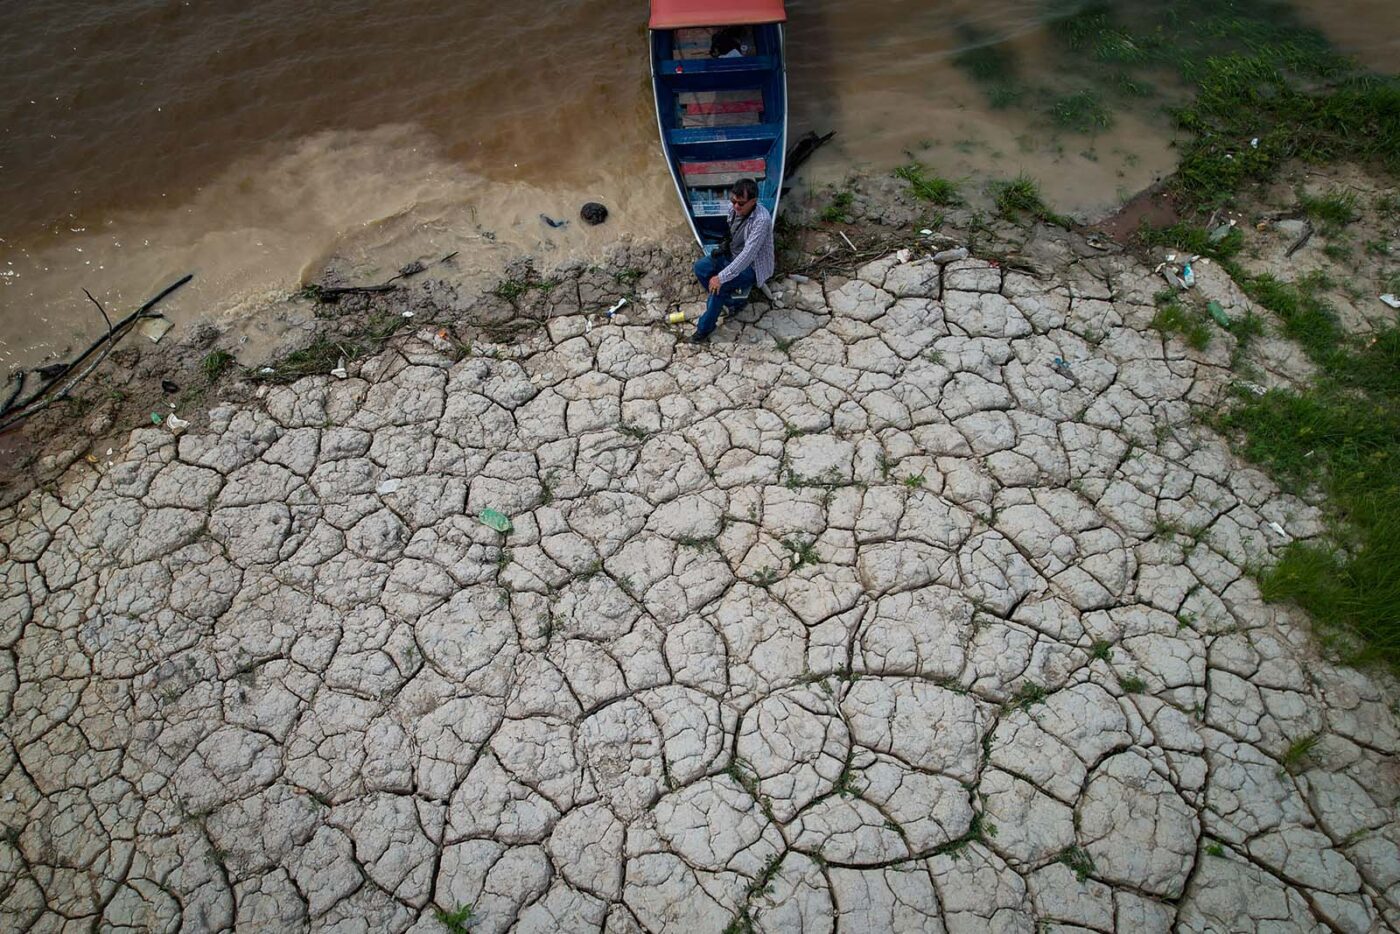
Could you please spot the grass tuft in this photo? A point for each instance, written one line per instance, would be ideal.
(456, 922)
(214, 364)
(839, 210)
(1081, 112)
(1333, 210)
(1175, 318)
(1020, 196)
(931, 188)
(1299, 751)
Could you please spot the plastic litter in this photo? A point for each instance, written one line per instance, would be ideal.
(339, 371)
(441, 341)
(1278, 528)
(798, 277)
(388, 486)
(496, 520)
(903, 255)
(552, 222)
(1218, 313)
(676, 317)
(156, 418)
(1188, 276)
(267, 369)
(1061, 364)
(176, 423)
(1255, 388)
(1172, 279)
(155, 328)
(408, 314)
(615, 308)
(926, 232)
(1254, 143)
(1390, 299)
(1221, 232)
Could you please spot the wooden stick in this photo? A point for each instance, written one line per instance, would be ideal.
(106, 344)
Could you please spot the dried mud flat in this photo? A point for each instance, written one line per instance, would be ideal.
(866, 617)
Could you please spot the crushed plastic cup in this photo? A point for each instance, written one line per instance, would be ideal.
(1221, 232)
(495, 520)
(176, 423)
(1390, 299)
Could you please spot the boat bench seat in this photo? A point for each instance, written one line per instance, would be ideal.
(694, 41)
(721, 173)
(720, 108)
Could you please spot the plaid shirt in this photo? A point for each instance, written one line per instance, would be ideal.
(756, 247)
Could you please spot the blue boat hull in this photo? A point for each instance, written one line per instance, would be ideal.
(721, 119)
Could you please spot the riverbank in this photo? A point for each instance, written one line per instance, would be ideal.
(677, 689)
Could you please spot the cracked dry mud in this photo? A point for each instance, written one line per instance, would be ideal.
(868, 620)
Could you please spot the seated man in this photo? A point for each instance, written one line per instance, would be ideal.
(748, 262)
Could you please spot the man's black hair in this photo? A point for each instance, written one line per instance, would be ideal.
(745, 188)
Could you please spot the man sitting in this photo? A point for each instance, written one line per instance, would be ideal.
(745, 265)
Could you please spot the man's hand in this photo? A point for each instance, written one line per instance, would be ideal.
(714, 285)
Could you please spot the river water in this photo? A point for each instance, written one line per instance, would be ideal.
(254, 142)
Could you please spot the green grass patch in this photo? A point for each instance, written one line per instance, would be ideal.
(1190, 324)
(838, 211)
(1192, 240)
(1332, 211)
(1081, 112)
(324, 353)
(214, 364)
(455, 922)
(1299, 751)
(1247, 97)
(926, 187)
(992, 66)
(1020, 196)
(1265, 87)
(1307, 316)
(1342, 436)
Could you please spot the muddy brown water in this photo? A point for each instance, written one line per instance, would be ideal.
(254, 143)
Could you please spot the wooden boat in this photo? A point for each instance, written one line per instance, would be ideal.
(720, 83)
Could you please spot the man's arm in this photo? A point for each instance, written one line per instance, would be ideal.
(747, 255)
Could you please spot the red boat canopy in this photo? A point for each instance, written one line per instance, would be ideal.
(677, 14)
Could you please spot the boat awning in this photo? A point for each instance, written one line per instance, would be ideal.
(677, 14)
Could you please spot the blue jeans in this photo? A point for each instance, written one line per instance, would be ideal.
(705, 268)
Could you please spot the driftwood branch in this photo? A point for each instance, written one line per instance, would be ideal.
(99, 349)
(332, 293)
